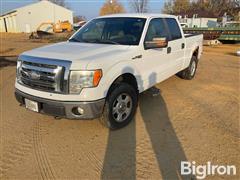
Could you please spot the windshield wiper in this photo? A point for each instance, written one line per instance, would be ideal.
(74, 40)
(103, 41)
(108, 41)
(94, 41)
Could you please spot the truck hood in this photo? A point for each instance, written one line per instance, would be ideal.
(80, 54)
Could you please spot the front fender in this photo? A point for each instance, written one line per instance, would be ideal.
(118, 70)
(109, 76)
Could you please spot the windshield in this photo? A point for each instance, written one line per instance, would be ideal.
(119, 30)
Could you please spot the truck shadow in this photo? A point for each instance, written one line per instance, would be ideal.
(8, 61)
(120, 156)
(165, 143)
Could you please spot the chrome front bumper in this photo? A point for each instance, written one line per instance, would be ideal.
(91, 109)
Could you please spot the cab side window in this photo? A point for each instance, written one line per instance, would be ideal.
(156, 29)
(173, 28)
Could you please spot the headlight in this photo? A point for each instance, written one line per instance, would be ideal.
(83, 79)
(19, 63)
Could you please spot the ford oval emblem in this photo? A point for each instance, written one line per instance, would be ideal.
(34, 75)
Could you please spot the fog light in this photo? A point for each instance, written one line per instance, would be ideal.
(80, 110)
(77, 111)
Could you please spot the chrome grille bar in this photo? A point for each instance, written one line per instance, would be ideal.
(44, 74)
(40, 83)
(40, 69)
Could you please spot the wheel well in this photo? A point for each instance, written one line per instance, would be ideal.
(126, 78)
(195, 53)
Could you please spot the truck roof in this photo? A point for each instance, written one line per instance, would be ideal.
(139, 15)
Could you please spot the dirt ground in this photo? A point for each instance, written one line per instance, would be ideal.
(194, 120)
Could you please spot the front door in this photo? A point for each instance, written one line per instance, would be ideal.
(155, 61)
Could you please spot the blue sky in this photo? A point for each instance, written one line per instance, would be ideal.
(87, 8)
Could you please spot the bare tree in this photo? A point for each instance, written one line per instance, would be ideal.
(79, 18)
(178, 7)
(204, 8)
(168, 7)
(139, 6)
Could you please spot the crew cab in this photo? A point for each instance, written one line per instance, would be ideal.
(101, 69)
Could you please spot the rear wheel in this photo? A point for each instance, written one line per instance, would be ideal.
(190, 71)
(120, 106)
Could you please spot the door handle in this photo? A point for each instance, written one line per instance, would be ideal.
(137, 57)
(169, 49)
(183, 45)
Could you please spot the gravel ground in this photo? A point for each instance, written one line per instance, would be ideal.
(194, 120)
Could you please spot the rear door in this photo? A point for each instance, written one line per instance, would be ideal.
(176, 45)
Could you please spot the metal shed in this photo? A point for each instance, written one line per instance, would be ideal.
(28, 18)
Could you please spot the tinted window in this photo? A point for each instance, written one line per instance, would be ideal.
(156, 29)
(125, 31)
(174, 29)
(94, 31)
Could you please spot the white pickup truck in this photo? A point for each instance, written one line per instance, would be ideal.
(101, 69)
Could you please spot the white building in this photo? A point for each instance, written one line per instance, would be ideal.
(199, 22)
(28, 18)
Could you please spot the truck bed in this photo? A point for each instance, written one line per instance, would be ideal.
(190, 35)
(192, 42)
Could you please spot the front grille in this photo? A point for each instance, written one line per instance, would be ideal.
(41, 65)
(45, 77)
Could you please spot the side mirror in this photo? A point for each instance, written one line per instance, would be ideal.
(156, 43)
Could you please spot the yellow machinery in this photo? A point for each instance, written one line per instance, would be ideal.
(57, 27)
(48, 28)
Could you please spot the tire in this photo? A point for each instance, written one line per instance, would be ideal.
(119, 110)
(190, 71)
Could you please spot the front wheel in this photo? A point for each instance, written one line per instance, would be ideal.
(120, 106)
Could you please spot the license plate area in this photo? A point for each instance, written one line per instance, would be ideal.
(31, 105)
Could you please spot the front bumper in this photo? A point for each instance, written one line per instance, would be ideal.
(92, 109)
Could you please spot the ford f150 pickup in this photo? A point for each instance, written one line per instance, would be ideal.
(101, 69)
